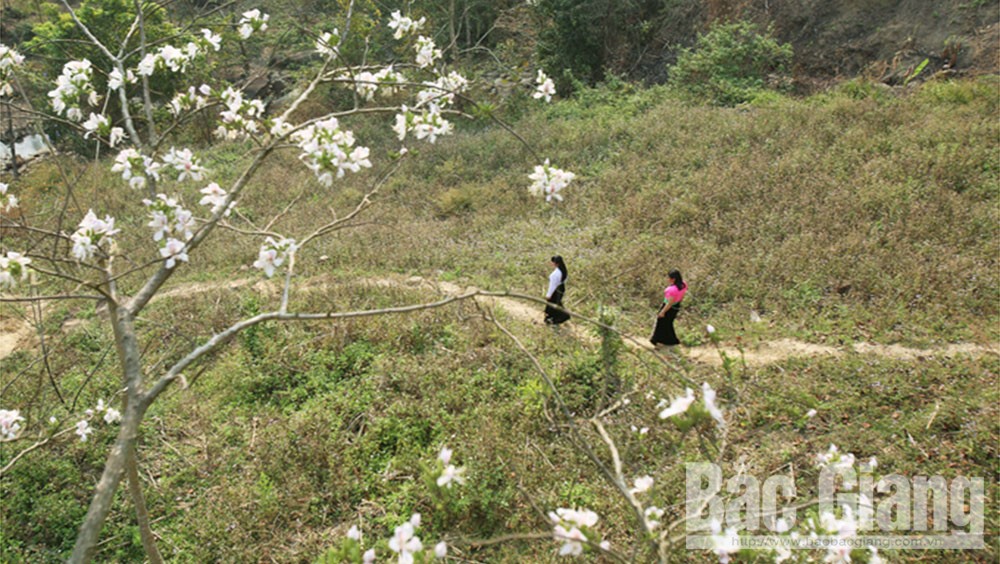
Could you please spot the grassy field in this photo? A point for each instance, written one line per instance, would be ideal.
(854, 216)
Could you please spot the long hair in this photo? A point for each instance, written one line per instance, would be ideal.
(678, 281)
(562, 267)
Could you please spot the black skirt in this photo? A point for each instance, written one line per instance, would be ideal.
(554, 316)
(663, 333)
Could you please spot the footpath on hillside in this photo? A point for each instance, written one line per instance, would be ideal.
(15, 334)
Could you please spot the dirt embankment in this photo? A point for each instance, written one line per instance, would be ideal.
(837, 39)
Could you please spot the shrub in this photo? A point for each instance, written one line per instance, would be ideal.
(732, 64)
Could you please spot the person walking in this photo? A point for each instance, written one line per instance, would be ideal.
(673, 294)
(557, 289)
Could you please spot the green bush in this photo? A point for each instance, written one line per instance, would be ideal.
(732, 64)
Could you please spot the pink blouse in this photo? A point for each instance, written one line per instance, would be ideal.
(672, 293)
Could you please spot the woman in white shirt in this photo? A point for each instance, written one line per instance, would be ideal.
(557, 288)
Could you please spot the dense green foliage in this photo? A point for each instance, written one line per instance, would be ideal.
(732, 64)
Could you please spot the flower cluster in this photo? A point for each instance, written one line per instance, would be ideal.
(449, 473)
(186, 163)
(251, 22)
(92, 234)
(545, 87)
(239, 117)
(9, 423)
(74, 83)
(193, 98)
(403, 25)
(116, 79)
(549, 180)
(404, 542)
(327, 42)
(13, 267)
(442, 91)
(172, 227)
(427, 51)
(366, 83)
(571, 526)
(9, 60)
(83, 428)
(328, 150)
(835, 460)
(12, 202)
(136, 168)
(215, 196)
(724, 543)
(681, 405)
(98, 124)
(177, 59)
(428, 124)
(273, 254)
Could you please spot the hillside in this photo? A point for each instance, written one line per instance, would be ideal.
(854, 217)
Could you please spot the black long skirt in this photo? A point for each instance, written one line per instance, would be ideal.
(554, 316)
(663, 333)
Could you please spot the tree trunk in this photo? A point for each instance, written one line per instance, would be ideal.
(141, 514)
(128, 354)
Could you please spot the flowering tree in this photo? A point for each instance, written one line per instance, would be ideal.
(90, 262)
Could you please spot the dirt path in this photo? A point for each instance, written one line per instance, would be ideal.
(15, 334)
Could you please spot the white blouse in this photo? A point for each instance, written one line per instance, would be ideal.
(555, 279)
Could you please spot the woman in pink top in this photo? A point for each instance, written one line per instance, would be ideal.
(673, 294)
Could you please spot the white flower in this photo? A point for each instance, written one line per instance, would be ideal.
(173, 250)
(215, 196)
(642, 484)
(112, 415)
(605, 545)
(445, 455)
(426, 51)
(267, 260)
(9, 60)
(212, 39)
(405, 543)
(369, 556)
(326, 45)
(578, 517)
(329, 151)
(440, 550)
(116, 79)
(709, 399)
(116, 135)
(709, 329)
(679, 405)
(811, 413)
(185, 162)
(404, 25)
(834, 459)
(545, 89)
(724, 544)
(13, 267)
(91, 233)
(83, 429)
(353, 533)
(451, 474)
(652, 515)
(9, 422)
(573, 540)
(252, 21)
(755, 317)
(549, 181)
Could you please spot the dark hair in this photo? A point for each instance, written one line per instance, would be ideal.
(678, 281)
(562, 267)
